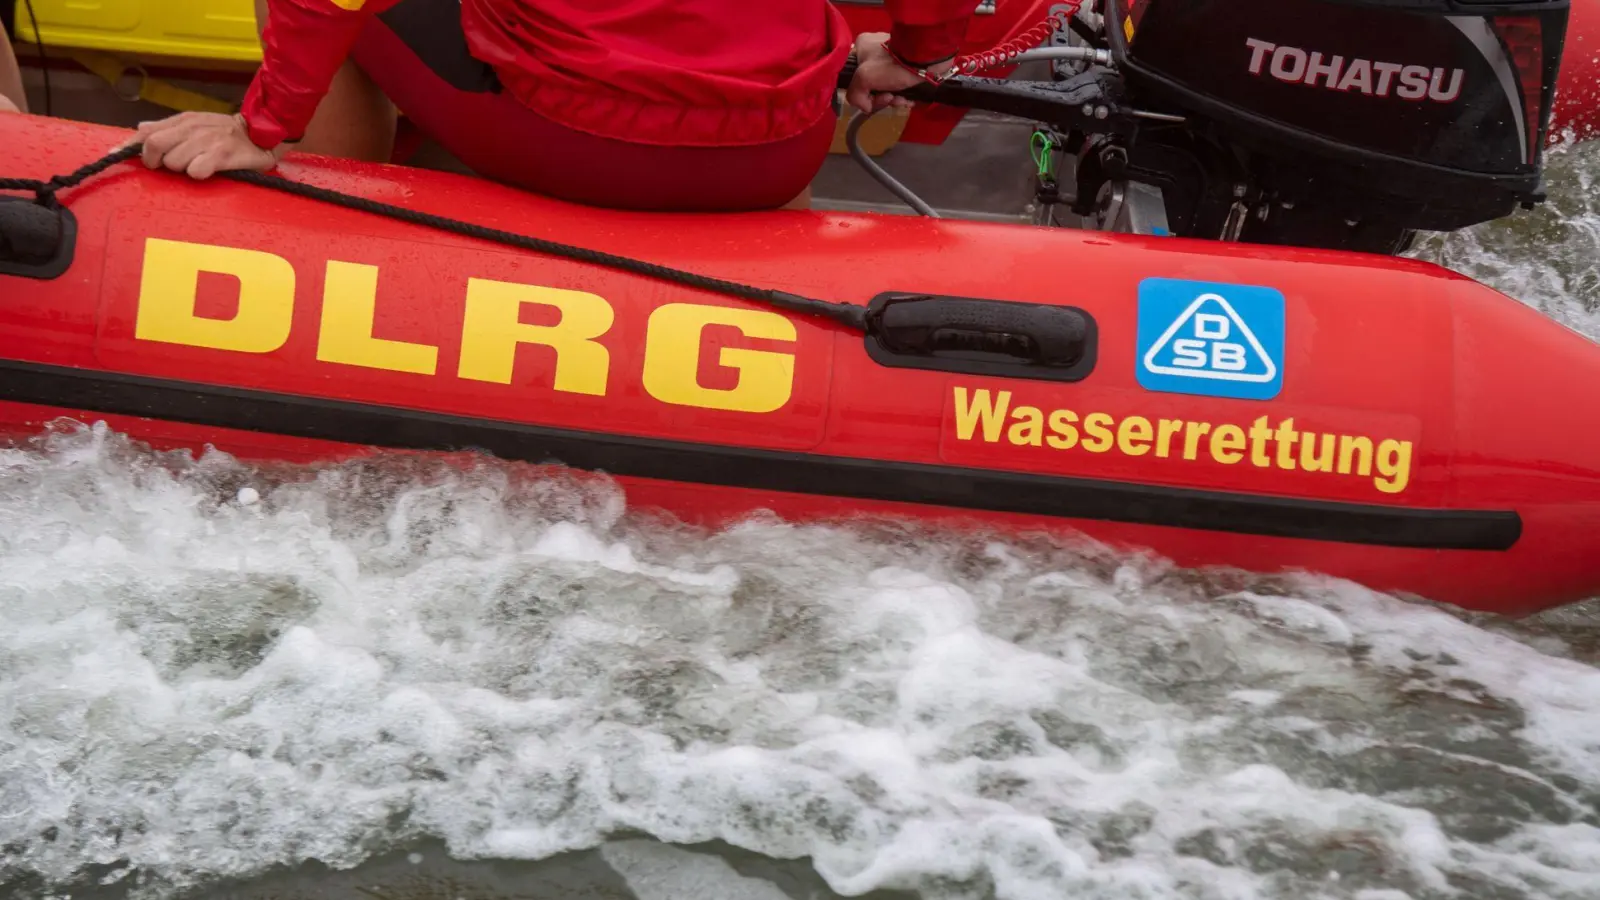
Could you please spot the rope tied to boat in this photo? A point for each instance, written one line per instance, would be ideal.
(901, 329)
(45, 191)
(847, 314)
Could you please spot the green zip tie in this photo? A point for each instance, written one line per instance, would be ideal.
(1042, 146)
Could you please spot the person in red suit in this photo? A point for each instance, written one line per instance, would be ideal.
(716, 105)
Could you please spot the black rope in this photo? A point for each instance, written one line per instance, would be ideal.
(45, 191)
(852, 316)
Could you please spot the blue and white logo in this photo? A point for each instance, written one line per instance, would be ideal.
(1210, 339)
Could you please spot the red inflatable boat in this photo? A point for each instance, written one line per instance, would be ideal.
(1374, 418)
(1234, 401)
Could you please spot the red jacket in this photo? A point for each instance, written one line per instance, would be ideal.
(674, 72)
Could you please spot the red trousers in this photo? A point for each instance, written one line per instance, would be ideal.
(455, 101)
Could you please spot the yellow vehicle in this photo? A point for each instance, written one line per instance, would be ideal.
(208, 43)
(201, 32)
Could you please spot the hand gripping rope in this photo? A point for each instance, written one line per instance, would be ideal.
(855, 317)
(850, 315)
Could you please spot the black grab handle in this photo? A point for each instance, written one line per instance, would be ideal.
(981, 337)
(37, 240)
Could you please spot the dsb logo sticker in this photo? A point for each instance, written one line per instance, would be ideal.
(1210, 339)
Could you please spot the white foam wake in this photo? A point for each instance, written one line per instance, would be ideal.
(207, 670)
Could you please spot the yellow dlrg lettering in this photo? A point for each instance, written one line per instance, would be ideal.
(169, 288)
(349, 306)
(672, 358)
(492, 330)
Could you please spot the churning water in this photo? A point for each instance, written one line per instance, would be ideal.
(414, 677)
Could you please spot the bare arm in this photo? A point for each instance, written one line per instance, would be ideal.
(10, 78)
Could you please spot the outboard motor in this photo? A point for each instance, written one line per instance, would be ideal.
(1330, 123)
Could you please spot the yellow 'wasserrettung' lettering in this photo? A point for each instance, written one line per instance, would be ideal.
(991, 418)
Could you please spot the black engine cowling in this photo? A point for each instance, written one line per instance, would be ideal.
(1339, 122)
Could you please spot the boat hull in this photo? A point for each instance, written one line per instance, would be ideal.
(1419, 431)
